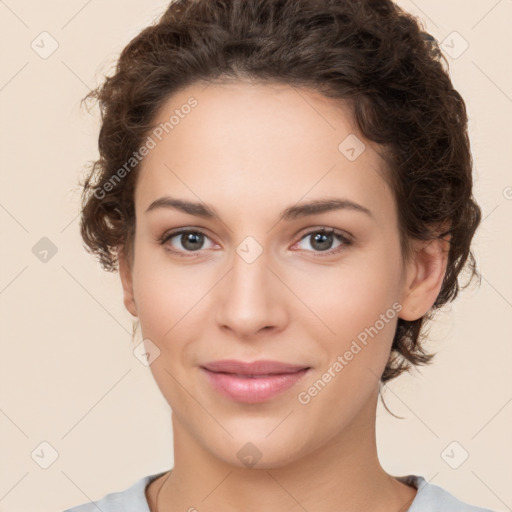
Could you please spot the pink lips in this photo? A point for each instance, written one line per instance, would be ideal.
(252, 382)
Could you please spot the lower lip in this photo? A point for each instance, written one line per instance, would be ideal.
(252, 389)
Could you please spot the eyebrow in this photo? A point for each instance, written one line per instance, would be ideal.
(292, 212)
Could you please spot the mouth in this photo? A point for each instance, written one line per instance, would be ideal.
(262, 367)
(249, 376)
(252, 382)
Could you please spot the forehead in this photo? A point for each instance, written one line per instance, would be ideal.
(243, 143)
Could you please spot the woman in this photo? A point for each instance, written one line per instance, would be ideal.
(285, 188)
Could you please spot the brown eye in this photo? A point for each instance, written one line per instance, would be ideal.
(184, 241)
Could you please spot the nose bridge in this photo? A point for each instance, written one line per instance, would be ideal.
(249, 273)
(250, 299)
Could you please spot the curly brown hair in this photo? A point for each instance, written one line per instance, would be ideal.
(367, 53)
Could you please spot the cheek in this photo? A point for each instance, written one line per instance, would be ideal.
(165, 305)
(358, 309)
(173, 310)
(352, 297)
(163, 298)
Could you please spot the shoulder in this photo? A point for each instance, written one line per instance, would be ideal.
(131, 499)
(432, 498)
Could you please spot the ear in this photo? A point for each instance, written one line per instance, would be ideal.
(424, 277)
(125, 273)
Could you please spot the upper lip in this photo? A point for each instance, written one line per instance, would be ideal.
(262, 367)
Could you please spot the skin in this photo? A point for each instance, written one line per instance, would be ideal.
(249, 151)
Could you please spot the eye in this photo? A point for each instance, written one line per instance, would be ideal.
(187, 241)
(323, 239)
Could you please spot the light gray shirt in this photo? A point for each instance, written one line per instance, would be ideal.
(429, 498)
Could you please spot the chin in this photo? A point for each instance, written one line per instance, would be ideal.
(254, 450)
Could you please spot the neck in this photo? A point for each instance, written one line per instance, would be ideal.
(342, 474)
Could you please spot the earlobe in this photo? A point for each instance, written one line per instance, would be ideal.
(424, 279)
(125, 273)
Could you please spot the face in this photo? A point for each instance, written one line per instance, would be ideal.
(264, 276)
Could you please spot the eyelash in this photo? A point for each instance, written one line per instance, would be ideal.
(324, 231)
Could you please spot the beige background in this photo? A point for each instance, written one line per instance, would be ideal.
(68, 375)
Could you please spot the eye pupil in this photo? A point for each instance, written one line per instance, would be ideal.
(322, 238)
(196, 239)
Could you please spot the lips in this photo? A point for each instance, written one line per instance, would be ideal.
(254, 369)
(254, 382)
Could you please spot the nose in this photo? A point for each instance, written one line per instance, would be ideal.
(251, 298)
